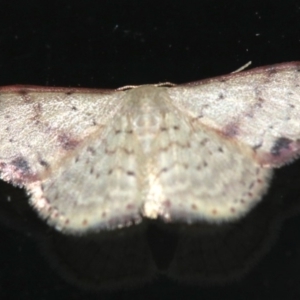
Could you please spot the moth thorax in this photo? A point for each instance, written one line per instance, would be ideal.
(146, 127)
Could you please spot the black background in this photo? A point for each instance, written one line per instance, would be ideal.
(108, 44)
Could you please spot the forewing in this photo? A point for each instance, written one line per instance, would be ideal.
(260, 108)
(42, 127)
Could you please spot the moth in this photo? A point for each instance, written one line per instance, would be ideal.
(103, 159)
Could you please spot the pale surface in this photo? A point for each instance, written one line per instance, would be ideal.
(95, 159)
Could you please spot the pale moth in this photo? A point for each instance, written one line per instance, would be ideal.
(104, 159)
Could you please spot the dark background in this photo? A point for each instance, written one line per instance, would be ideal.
(108, 44)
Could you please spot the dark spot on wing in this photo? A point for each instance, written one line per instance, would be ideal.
(130, 206)
(231, 130)
(194, 207)
(21, 164)
(19, 170)
(272, 71)
(280, 145)
(221, 96)
(167, 203)
(25, 95)
(259, 103)
(251, 185)
(204, 142)
(22, 92)
(291, 105)
(91, 150)
(55, 215)
(257, 146)
(37, 108)
(44, 163)
(214, 212)
(128, 152)
(66, 142)
(130, 173)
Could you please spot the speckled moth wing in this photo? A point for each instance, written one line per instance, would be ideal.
(40, 125)
(95, 159)
(198, 175)
(230, 132)
(259, 108)
(43, 133)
